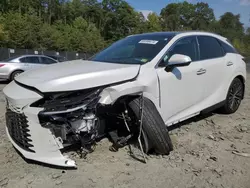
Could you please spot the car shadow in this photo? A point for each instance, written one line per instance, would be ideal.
(4, 82)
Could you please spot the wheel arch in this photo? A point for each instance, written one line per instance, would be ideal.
(10, 75)
(130, 90)
(242, 79)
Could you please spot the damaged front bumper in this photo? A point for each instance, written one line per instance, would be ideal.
(25, 132)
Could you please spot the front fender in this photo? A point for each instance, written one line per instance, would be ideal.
(111, 94)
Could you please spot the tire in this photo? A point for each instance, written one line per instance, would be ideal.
(153, 126)
(234, 97)
(15, 74)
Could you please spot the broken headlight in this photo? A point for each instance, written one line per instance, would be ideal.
(63, 102)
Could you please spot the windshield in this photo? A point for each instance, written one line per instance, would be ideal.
(138, 49)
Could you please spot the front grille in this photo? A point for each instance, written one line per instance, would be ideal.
(18, 129)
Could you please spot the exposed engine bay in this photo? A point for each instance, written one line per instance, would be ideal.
(77, 118)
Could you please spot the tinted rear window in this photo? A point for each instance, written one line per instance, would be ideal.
(209, 48)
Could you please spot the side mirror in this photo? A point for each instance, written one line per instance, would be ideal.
(179, 60)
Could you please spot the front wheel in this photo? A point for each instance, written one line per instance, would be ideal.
(234, 97)
(155, 134)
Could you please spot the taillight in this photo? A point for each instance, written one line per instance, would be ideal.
(244, 59)
(1, 65)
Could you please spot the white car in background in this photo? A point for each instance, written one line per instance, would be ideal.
(132, 90)
(12, 67)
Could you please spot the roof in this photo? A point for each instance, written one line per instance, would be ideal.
(174, 33)
(166, 34)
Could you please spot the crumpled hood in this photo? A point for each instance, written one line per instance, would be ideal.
(76, 75)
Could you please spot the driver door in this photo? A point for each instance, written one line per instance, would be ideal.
(180, 88)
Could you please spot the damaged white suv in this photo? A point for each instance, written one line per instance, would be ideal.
(135, 88)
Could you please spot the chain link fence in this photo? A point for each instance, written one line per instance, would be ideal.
(6, 53)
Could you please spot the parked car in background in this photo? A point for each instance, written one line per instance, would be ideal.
(12, 67)
(58, 58)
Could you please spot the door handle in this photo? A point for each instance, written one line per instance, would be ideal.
(230, 63)
(201, 71)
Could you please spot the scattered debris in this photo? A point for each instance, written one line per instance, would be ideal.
(210, 122)
(238, 137)
(242, 128)
(241, 154)
(221, 138)
(196, 172)
(56, 176)
(213, 158)
(30, 181)
(58, 182)
(211, 137)
(218, 171)
(233, 146)
(234, 171)
(93, 181)
(198, 133)
(4, 182)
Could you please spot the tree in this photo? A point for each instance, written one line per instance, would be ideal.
(231, 27)
(3, 36)
(90, 25)
(248, 31)
(4, 6)
(202, 17)
(171, 17)
(153, 23)
(46, 37)
(120, 19)
(22, 30)
(186, 16)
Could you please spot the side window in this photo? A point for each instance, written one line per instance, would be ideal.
(45, 60)
(209, 48)
(187, 46)
(22, 60)
(227, 48)
(32, 59)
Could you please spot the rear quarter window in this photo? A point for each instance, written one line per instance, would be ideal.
(227, 48)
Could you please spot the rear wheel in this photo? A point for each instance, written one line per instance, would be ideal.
(15, 74)
(234, 97)
(154, 131)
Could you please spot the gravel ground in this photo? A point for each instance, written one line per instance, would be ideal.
(204, 157)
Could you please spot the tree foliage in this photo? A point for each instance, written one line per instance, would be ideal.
(90, 25)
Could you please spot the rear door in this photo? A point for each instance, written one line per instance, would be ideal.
(213, 62)
(30, 62)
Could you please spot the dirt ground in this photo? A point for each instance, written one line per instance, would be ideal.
(203, 157)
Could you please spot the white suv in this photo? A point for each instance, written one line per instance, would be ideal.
(133, 90)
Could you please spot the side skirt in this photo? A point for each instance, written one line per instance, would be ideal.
(212, 108)
(203, 112)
